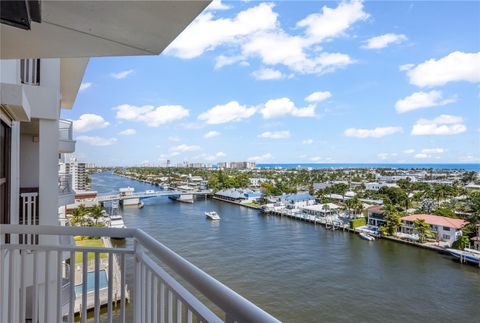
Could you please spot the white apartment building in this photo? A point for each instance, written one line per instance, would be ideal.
(44, 51)
(77, 172)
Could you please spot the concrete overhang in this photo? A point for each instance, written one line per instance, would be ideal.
(14, 101)
(71, 75)
(73, 28)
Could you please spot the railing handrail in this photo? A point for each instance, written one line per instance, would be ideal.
(236, 307)
(65, 128)
(56, 230)
(228, 300)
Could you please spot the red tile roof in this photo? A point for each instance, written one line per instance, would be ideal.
(437, 220)
(376, 209)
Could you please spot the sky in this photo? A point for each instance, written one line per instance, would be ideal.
(293, 82)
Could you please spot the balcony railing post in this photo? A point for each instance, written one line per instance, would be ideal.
(138, 288)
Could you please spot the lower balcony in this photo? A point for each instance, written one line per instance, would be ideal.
(66, 144)
(140, 281)
(66, 195)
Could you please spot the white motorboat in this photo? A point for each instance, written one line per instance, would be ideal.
(366, 236)
(116, 221)
(212, 215)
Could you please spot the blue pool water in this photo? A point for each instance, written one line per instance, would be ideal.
(91, 282)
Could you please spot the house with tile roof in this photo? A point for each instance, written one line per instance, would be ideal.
(445, 229)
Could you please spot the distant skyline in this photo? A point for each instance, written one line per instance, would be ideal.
(293, 82)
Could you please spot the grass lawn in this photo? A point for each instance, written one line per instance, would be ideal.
(91, 255)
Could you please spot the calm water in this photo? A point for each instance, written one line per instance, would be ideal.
(469, 167)
(302, 273)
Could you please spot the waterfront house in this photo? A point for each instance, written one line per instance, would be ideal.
(238, 195)
(321, 210)
(257, 181)
(376, 215)
(295, 201)
(42, 63)
(476, 239)
(374, 186)
(445, 229)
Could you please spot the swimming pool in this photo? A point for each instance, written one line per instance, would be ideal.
(91, 282)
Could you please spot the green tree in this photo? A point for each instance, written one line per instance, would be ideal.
(443, 211)
(422, 228)
(392, 218)
(95, 212)
(461, 243)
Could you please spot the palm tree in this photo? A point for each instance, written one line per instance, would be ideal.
(96, 212)
(422, 228)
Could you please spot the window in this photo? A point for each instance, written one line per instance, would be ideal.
(446, 229)
(30, 71)
(5, 133)
(446, 237)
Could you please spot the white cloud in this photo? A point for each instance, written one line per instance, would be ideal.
(385, 156)
(232, 111)
(419, 100)
(206, 33)
(128, 132)
(409, 151)
(89, 122)
(442, 125)
(222, 60)
(307, 142)
(216, 156)
(285, 107)
(421, 156)
(433, 150)
(372, 133)
(256, 32)
(406, 67)
(318, 96)
(333, 22)
(267, 74)
(456, 66)
(275, 48)
(217, 5)
(275, 134)
(122, 74)
(97, 141)
(429, 153)
(211, 134)
(384, 40)
(153, 117)
(185, 148)
(85, 85)
(173, 138)
(260, 158)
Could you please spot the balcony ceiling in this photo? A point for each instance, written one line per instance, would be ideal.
(100, 28)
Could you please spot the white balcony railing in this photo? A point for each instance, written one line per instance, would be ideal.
(65, 128)
(154, 295)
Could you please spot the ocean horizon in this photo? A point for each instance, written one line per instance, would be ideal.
(439, 166)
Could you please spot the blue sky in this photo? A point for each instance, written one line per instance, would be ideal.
(279, 82)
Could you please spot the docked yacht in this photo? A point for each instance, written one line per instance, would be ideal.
(212, 215)
(466, 255)
(116, 221)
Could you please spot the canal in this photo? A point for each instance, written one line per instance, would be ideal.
(300, 272)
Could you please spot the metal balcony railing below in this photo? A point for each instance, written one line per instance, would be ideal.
(65, 128)
(64, 183)
(156, 295)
